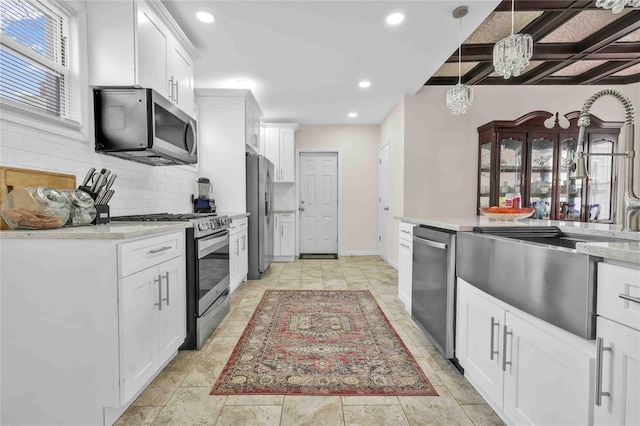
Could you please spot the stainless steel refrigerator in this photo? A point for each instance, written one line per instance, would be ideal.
(259, 205)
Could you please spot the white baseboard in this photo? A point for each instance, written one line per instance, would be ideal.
(358, 253)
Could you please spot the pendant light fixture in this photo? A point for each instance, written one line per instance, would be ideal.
(616, 6)
(459, 97)
(511, 55)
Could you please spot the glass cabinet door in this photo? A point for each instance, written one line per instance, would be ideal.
(484, 197)
(569, 188)
(541, 183)
(510, 166)
(600, 182)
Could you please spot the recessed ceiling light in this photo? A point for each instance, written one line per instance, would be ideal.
(395, 18)
(205, 17)
(364, 84)
(353, 114)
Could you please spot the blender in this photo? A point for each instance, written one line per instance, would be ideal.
(204, 204)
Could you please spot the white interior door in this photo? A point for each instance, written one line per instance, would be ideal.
(318, 203)
(383, 203)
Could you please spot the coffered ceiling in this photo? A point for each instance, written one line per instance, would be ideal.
(575, 43)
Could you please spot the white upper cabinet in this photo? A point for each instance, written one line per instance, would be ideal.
(142, 46)
(279, 148)
(252, 125)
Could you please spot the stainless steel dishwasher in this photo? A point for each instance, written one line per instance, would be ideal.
(433, 286)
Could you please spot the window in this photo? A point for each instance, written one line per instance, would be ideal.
(39, 58)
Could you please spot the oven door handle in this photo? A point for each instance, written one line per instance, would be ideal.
(208, 245)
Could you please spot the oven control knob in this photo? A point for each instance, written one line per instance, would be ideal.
(203, 226)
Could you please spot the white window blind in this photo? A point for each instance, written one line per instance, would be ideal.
(38, 57)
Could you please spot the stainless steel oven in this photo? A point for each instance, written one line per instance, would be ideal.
(211, 285)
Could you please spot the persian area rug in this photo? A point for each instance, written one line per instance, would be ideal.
(320, 342)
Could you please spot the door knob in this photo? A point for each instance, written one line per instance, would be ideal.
(301, 209)
(386, 208)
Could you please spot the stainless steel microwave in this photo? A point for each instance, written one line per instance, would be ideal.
(141, 125)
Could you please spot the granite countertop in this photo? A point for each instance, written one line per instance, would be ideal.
(234, 215)
(111, 231)
(622, 251)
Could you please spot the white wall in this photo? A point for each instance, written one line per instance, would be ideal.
(138, 189)
(358, 169)
(284, 196)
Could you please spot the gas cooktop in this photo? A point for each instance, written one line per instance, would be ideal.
(203, 223)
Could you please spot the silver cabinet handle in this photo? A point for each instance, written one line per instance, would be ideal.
(177, 97)
(244, 242)
(282, 231)
(600, 348)
(166, 276)
(159, 304)
(237, 247)
(276, 221)
(170, 94)
(405, 231)
(159, 250)
(504, 348)
(493, 325)
(629, 298)
(405, 245)
(430, 243)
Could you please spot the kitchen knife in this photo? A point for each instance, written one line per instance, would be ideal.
(98, 183)
(87, 177)
(110, 181)
(106, 173)
(101, 195)
(107, 197)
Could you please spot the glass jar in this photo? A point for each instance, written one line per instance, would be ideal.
(82, 208)
(35, 208)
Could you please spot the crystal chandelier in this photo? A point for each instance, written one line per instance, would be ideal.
(511, 54)
(616, 6)
(459, 97)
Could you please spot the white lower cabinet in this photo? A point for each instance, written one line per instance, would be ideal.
(405, 264)
(617, 399)
(284, 237)
(97, 322)
(529, 371)
(152, 322)
(238, 252)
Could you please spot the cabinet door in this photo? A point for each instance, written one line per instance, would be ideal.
(600, 191)
(139, 294)
(540, 186)
(277, 234)
(152, 44)
(172, 316)
(287, 163)
(234, 259)
(287, 233)
(244, 254)
(510, 164)
(272, 149)
(547, 379)
(248, 125)
(405, 264)
(620, 375)
(479, 322)
(485, 175)
(181, 78)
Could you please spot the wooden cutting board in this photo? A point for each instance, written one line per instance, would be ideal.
(12, 178)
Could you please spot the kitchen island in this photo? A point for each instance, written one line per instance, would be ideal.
(528, 316)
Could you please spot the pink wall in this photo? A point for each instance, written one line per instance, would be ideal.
(441, 148)
(358, 171)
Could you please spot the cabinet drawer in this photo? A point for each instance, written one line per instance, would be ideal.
(141, 254)
(406, 231)
(619, 294)
(238, 225)
(286, 217)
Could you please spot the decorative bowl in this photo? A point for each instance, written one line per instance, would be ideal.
(507, 213)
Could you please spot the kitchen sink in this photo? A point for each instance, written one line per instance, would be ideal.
(535, 269)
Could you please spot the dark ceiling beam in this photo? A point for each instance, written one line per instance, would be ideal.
(544, 5)
(609, 34)
(595, 75)
(551, 52)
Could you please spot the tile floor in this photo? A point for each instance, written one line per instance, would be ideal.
(180, 394)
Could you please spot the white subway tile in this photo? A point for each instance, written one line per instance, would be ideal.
(24, 159)
(11, 140)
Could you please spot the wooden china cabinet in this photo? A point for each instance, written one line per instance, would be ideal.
(524, 156)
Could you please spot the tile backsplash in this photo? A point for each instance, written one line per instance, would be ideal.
(139, 188)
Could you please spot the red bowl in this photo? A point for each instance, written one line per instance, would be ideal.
(507, 213)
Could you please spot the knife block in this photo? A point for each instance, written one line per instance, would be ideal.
(102, 212)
